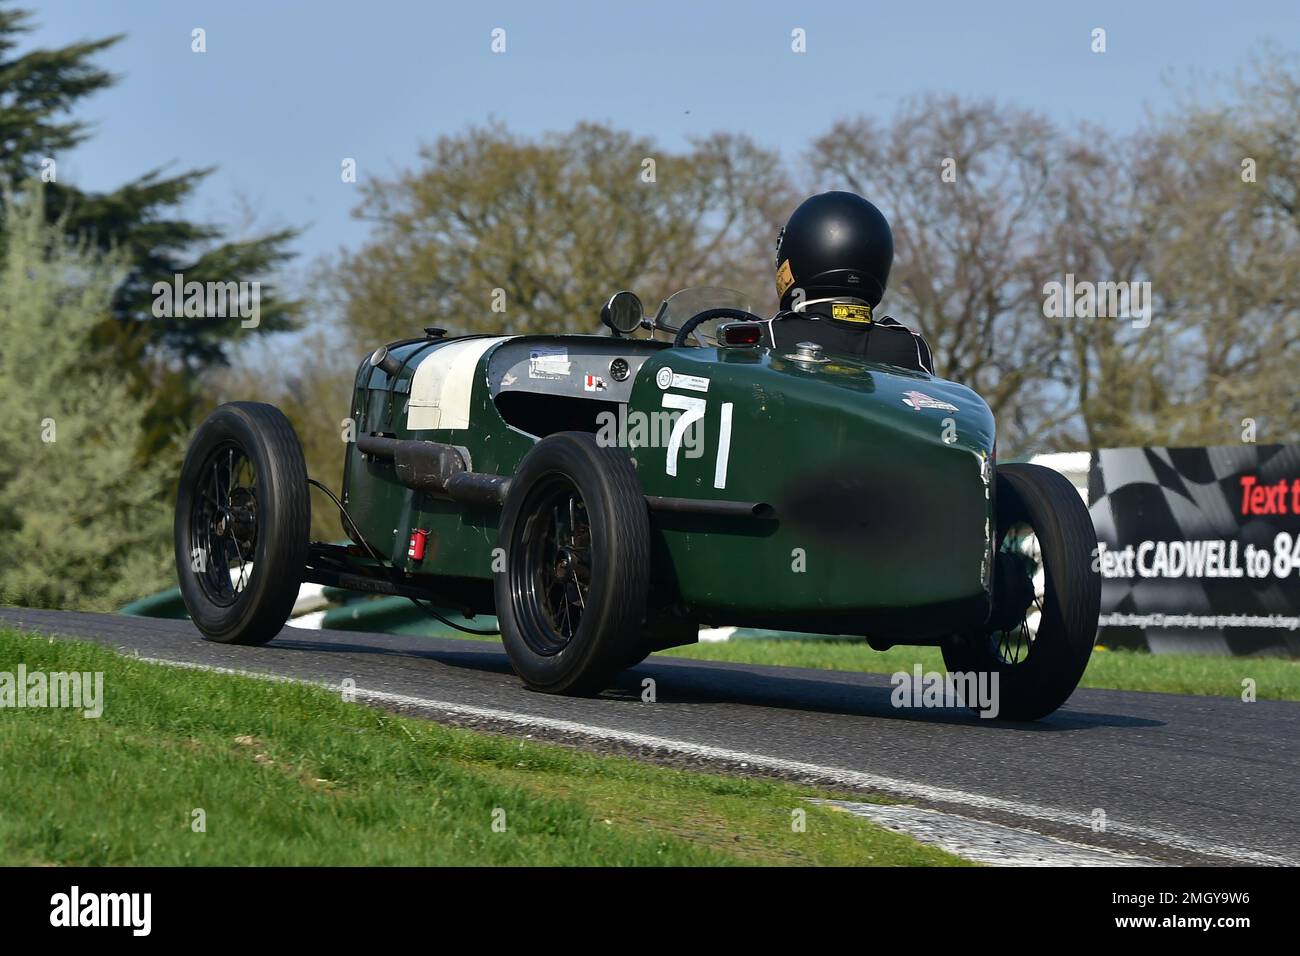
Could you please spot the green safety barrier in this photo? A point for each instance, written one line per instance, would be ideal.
(166, 604)
(397, 615)
(348, 611)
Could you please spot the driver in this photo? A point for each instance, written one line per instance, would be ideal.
(832, 262)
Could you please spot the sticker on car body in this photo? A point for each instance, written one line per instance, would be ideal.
(666, 378)
(920, 400)
(549, 361)
(695, 383)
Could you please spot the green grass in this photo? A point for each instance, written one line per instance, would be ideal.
(291, 774)
(1275, 678)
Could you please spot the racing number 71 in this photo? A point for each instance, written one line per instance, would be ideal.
(693, 409)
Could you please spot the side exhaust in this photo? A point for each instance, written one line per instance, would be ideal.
(435, 468)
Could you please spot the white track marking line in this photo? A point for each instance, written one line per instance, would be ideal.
(985, 842)
(860, 779)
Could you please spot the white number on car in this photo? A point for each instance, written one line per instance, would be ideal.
(693, 409)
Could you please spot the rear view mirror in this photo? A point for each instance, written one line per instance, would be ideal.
(623, 313)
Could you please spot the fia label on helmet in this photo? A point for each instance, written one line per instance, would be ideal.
(920, 400)
(784, 277)
(851, 312)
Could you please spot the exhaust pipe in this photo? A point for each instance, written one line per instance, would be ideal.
(435, 468)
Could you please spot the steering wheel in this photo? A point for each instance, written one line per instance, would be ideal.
(699, 318)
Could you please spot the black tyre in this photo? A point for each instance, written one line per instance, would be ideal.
(1046, 596)
(243, 521)
(576, 535)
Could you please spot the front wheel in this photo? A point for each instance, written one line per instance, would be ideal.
(576, 536)
(1046, 597)
(243, 522)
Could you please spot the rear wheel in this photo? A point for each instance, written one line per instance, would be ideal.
(243, 521)
(577, 543)
(1046, 596)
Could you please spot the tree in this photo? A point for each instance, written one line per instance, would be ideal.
(39, 90)
(991, 205)
(1202, 204)
(1108, 367)
(79, 514)
(965, 186)
(1223, 189)
(314, 395)
(496, 232)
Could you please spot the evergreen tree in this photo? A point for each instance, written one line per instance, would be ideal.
(80, 516)
(141, 221)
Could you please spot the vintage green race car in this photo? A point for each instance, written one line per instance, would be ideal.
(605, 496)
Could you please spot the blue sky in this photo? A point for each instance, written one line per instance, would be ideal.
(288, 88)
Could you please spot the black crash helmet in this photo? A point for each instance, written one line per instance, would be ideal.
(834, 245)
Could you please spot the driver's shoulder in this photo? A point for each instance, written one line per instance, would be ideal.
(788, 319)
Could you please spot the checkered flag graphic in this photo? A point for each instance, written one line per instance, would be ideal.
(1175, 494)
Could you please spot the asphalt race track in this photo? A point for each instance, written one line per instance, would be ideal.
(1179, 779)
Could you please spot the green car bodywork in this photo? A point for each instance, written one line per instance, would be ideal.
(869, 487)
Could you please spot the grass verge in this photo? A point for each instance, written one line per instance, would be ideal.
(289, 774)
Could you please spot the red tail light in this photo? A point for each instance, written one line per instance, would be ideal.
(740, 335)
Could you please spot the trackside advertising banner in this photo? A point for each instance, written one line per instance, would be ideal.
(1199, 548)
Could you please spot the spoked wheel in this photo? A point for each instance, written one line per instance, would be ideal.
(243, 521)
(1046, 596)
(572, 599)
(1019, 593)
(555, 575)
(224, 520)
